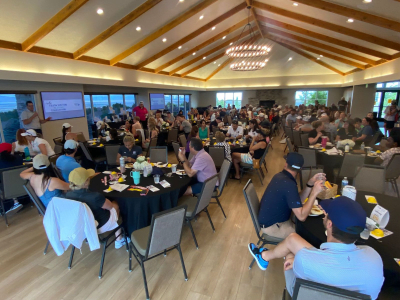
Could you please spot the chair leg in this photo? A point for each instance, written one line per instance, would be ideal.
(219, 203)
(209, 218)
(397, 189)
(126, 239)
(165, 252)
(71, 257)
(259, 176)
(191, 229)
(102, 259)
(241, 175)
(47, 246)
(144, 280)
(182, 262)
(130, 258)
(4, 213)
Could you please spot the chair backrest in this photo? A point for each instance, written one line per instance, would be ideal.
(310, 157)
(289, 144)
(223, 174)
(351, 163)
(370, 178)
(229, 119)
(153, 143)
(165, 230)
(57, 171)
(182, 139)
(146, 133)
(12, 182)
(206, 193)
(111, 154)
(306, 174)
(172, 135)
(296, 138)
(35, 199)
(58, 149)
(264, 154)
(53, 158)
(393, 169)
(375, 138)
(215, 129)
(86, 151)
(141, 133)
(272, 132)
(80, 137)
(304, 140)
(57, 141)
(289, 132)
(217, 153)
(309, 290)
(159, 154)
(176, 147)
(253, 204)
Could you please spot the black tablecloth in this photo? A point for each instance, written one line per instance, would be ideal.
(388, 247)
(234, 148)
(136, 210)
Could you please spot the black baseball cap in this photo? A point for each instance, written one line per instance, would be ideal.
(295, 160)
(346, 214)
(235, 122)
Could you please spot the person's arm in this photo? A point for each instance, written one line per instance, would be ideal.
(26, 174)
(58, 184)
(189, 171)
(208, 132)
(302, 212)
(29, 120)
(118, 157)
(228, 133)
(43, 149)
(361, 138)
(378, 161)
(240, 133)
(13, 148)
(45, 120)
(311, 182)
(312, 141)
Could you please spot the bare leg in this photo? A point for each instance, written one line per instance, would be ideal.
(292, 244)
(236, 158)
(188, 191)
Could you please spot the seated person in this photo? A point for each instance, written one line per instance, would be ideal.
(393, 143)
(215, 123)
(135, 126)
(39, 145)
(66, 163)
(256, 151)
(39, 176)
(200, 168)
(315, 135)
(235, 131)
(338, 262)
(328, 127)
(194, 133)
(220, 142)
(102, 127)
(347, 132)
(67, 133)
(281, 198)
(159, 120)
(184, 125)
(104, 211)
(253, 127)
(113, 137)
(170, 118)
(129, 150)
(291, 118)
(305, 125)
(339, 123)
(127, 126)
(357, 124)
(264, 122)
(366, 133)
(153, 133)
(204, 133)
(21, 143)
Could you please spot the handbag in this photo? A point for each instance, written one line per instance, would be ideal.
(256, 163)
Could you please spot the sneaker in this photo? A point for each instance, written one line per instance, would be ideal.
(15, 208)
(282, 141)
(120, 243)
(256, 253)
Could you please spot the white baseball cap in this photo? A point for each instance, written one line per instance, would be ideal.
(67, 125)
(29, 132)
(261, 115)
(99, 124)
(40, 162)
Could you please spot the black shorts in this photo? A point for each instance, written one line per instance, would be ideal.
(389, 124)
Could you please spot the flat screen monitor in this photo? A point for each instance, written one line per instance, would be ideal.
(157, 101)
(62, 105)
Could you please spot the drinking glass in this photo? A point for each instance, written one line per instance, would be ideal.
(156, 179)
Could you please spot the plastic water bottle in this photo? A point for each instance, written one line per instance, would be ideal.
(122, 164)
(344, 183)
(27, 154)
(347, 148)
(362, 146)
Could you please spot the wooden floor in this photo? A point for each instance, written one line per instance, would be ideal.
(217, 270)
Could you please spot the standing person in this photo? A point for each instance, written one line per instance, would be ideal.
(141, 112)
(22, 143)
(390, 117)
(66, 163)
(39, 145)
(342, 104)
(30, 118)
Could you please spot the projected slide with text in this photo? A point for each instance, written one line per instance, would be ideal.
(62, 105)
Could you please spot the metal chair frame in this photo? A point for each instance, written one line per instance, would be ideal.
(221, 188)
(245, 169)
(392, 168)
(160, 148)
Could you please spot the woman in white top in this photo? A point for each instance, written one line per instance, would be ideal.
(38, 145)
(159, 120)
(67, 134)
(253, 125)
(22, 143)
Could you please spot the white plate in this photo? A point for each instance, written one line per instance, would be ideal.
(181, 173)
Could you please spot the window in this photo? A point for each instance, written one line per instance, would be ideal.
(89, 114)
(130, 102)
(182, 103)
(100, 107)
(175, 104)
(309, 97)
(167, 99)
(117, 102)
(225, 99)
(395, 84)
(379, 85)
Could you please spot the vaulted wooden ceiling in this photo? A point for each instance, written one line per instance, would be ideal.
(320, 36)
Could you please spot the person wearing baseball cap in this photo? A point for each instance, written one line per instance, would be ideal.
(215, 123)
(66, 163)
(67, 134)
(304, 125)
(39, 176)
(235, 131)
(105, 212)
(264, 122)
(39, 145)
(281, 198)
(338, 262)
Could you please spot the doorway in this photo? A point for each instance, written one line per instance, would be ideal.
(383, 99)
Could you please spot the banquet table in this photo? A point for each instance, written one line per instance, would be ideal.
(136, 210)
(388, 247)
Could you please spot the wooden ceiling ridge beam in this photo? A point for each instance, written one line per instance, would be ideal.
(210, 52)
(193, 35)
(352, 13)
(113, 29)
(204, 44)
(51, 24)
(324, 38)
(330, 26)
(320, 45)
(223, 65)
(207, 62)
(164, 29)
(253, 13)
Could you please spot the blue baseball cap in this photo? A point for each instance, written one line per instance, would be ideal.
(346, 214)
(70, 144)
(295, 160)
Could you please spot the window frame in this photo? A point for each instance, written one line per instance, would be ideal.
(231, 100)
(309, 99)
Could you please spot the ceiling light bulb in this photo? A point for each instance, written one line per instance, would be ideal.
(224, 37)
(213, 28)
(204, 57)
(164, 40)
(290, 58)
(230, 44)
(138, 28)
(100, 11)
(350, 21)
(295, 4)
(180, 47)
(194, 53)
(321, 55)
(219, 65)
(181, 0)
(215, 62)
(201, 17)
(266, 60)
(367, 1)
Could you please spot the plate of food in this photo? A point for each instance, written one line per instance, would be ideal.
(129, 165)
(316, 211)
(181, 172)
(329, 144)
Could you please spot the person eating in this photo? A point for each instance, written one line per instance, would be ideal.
(235, 131)
(39, 145)
(315, 135)
(129, 150)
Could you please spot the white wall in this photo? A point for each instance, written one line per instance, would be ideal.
(363, 100)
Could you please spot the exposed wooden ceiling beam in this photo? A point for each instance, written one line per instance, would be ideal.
(133, 15)
(330, 26)
(56, 20)
(253, 13)
(223, 65)
(172, 24)
(324, 38)
(320, 45)
(210, 52)
(207, 62)
(193, 35)
(352, 13)
(204, 44)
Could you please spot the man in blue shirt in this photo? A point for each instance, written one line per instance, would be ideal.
(281, 198)
(339, 262)
(66, 163)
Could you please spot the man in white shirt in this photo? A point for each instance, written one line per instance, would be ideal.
(235, 130)
(30, 118)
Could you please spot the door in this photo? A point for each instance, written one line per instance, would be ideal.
(384, 99)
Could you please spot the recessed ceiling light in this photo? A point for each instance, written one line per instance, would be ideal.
(290, 58)
(164, 40)
(219, 65)
(204, 57)
(215, 62)
(213, 28)
(295, 4)
(138, 28)
(321, 55)
(181, 0)
(266, 60)
(318, 58)
(180, 47)
(194, 53)
(201, 17)
(350, 21)
(230, 44)
(224, 37)
(100, 11)
(367, 1)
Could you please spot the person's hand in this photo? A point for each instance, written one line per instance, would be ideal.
(316, 177)
(319, 134)
(181, 154)
(48, 119)
(129, 159)
(288, 264)
(318, 187)
(35, 114)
